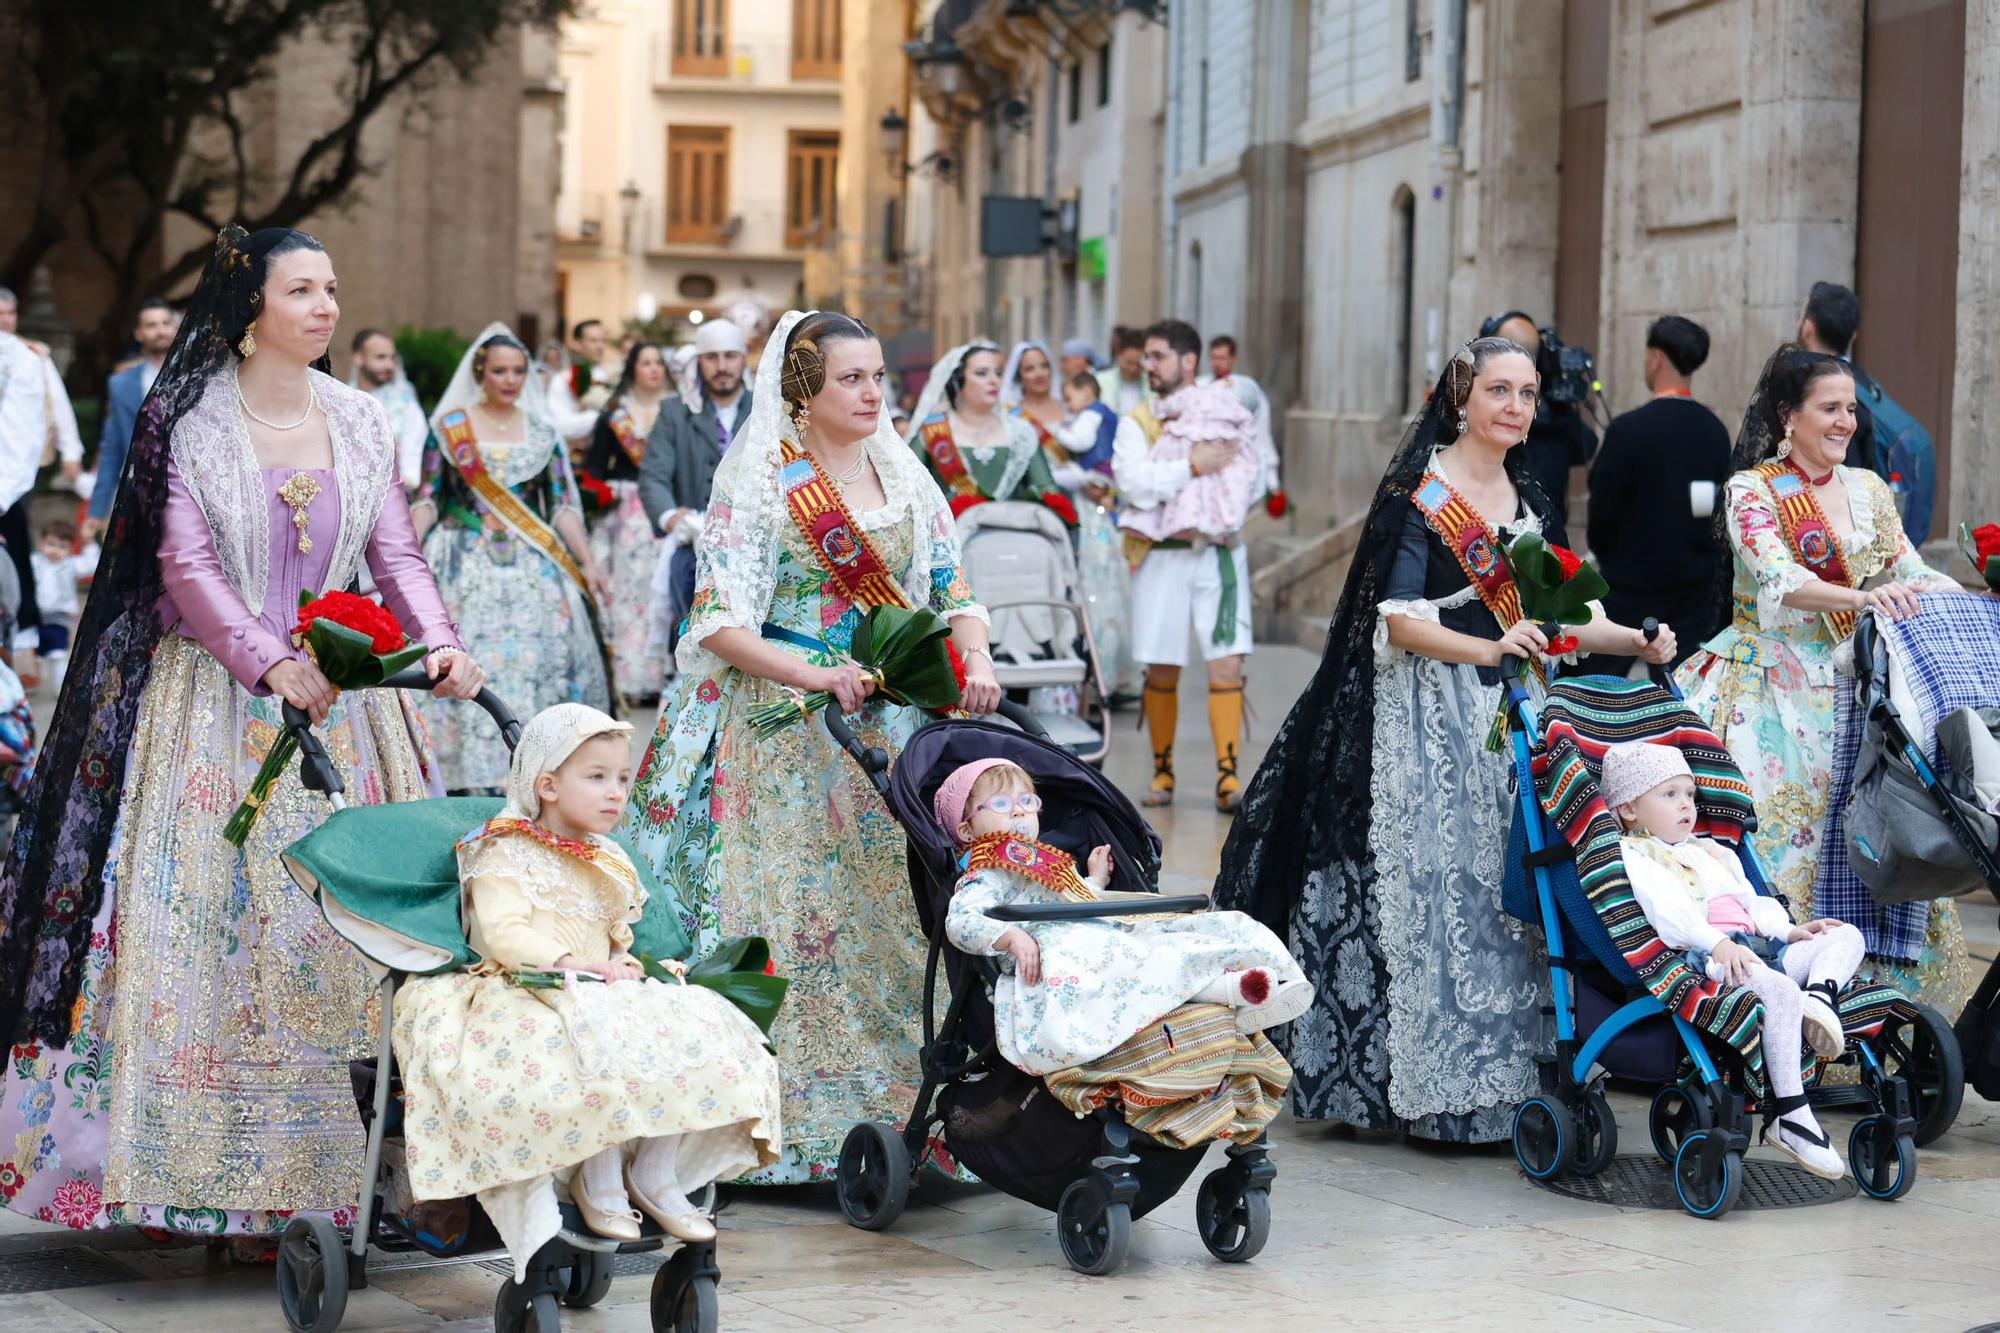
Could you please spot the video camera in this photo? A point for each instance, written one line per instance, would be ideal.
(1569, 374)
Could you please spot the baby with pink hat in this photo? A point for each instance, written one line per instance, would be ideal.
(1077, 989)
(1694, 892)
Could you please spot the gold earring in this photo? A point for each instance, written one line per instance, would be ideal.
(247, 345)
(800, 416)
(1785, 445)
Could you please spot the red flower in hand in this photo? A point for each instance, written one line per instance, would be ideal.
(1570, 560)
(1060, 506)
(961, 503)
(1986, 540)
(1562, 644)
(356, 613)
(957, 664)
(770, 967)
(595, 492)
(1275, 504)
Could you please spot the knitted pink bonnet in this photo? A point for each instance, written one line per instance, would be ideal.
(1633, 768)
(948, 806)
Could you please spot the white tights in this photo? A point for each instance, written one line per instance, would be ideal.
(653, 1163)
(1832, 955)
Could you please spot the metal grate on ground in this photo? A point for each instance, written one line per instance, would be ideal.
(622, 1265)
(56, 1269)
(1644, 1181)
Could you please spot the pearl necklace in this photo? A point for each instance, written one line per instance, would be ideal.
(500, 425)
(848, 476)
(312, 401)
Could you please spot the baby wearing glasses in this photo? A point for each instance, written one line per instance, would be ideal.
(1077, 989)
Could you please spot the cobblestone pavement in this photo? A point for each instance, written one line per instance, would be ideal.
(1367, 1233)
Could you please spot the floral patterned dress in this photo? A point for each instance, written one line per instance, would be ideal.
(1104, 980)
(785, 838)
(1765, 684)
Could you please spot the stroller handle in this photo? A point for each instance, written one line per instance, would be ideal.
(316, 770)
(1161, 905)
(874, 760)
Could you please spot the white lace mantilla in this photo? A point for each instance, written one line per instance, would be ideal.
(212, 452)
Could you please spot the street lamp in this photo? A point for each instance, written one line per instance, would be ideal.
(940, 63)
(628, 208)
(896, 143)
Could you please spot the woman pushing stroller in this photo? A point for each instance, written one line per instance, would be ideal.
(1080, 988)
(1694, 893)
(506, 1083)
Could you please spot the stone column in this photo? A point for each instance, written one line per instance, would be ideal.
(1273, 169)
(1975, 431)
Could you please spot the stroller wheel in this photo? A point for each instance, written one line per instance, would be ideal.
(1544, 1137)
(312, 1275)
(1884, 1175)
(1596, 1134)
(872, 1178)
(589, 1280)
(682, 1303)
(1094, 1236)
(1708, 1178)
(514, 1311)
(1925, 1052)
(1675, 1115)
(1234, 1221)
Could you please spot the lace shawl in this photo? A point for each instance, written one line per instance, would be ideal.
(212, 452)
(737, 557)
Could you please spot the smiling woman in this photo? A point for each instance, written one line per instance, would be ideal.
(819, 513)
(193, 1008)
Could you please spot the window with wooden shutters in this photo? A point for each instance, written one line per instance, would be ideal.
(815, 39)
(810, 198)
(701, 38)
(697, 183)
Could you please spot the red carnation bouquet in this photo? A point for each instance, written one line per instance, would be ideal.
(356, 643)
(961, 502)
(1060, 506)
(910, 655)
(1982, 547)
(598, 497)
(1556, 585)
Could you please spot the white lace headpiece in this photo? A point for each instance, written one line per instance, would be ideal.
(934, 399)
(747, 518)
(463, 392)
(1010, 378)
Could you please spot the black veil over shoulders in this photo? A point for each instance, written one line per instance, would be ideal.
(1308, 804)
(53, 881)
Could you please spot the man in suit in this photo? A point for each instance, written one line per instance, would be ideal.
(124, 392)
(1657, 480)
(693, 433)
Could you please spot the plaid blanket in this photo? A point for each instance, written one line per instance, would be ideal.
(1950, 659)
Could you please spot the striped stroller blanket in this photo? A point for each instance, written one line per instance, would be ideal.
(1185, 1079)
(1580, 720)
(1947, 657)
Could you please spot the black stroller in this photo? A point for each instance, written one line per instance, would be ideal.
(1095, 1172)
(317, 1265)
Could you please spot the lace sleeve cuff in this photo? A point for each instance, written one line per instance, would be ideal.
(1774, 584)
(1416, 608)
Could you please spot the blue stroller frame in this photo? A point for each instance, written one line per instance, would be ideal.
(1699, 1122)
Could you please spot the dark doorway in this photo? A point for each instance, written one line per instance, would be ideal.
(1906, 263)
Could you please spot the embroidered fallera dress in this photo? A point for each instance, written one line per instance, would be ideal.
(784, 837)
(1102, 980)
(205, 1086)
(1017, 471)
(1766, 685)
(526, 615)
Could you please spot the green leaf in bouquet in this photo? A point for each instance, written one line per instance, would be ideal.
(345, 656)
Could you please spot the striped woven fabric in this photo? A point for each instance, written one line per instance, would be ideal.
(1583, 718)
(1185, 1079)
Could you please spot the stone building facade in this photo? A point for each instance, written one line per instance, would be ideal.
(701, 150)
(1060, 103)
(1397, 170)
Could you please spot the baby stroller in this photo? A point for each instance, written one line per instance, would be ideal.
(1565, 875)
(1021, 565)
(1096, 1173)
(1916, 825)
(317, 1266)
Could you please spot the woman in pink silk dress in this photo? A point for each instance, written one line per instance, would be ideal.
(179, 1017)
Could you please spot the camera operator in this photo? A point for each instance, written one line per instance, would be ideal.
(1559, 438)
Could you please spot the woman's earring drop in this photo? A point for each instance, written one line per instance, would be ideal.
(247, 345)
(1461, 421)
(1785, 445)
(800, 416)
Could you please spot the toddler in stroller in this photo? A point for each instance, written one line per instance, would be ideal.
(1079, 988)
(1694, 893)
(1099, 1144)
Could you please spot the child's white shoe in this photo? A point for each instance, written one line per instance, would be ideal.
(1796, 1133)
(1261, 998)
(1820, 1020)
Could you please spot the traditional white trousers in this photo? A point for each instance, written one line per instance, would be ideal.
(1177, 596)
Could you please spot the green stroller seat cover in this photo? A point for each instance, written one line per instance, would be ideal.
(386, 879)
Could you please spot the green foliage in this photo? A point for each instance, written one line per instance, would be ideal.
(1546, 597)
(429, 358)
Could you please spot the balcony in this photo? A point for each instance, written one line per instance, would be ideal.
(763, 66)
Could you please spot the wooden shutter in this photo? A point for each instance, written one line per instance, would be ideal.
(697, 183)
(815, 39)
(810, 197)
(701, 38)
